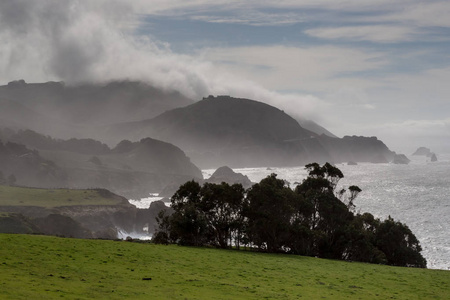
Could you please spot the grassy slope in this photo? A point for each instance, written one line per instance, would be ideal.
(38, 267)
(21, 196)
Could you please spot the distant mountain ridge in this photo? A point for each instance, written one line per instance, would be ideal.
(213, 132)
(131, 169)
(81, 111)
(63, 111)
(242, 133)
(247, 120)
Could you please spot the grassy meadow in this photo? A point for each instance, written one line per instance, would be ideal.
(44, 267)
(49, 198)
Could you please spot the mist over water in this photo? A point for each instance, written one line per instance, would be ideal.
(417, 194)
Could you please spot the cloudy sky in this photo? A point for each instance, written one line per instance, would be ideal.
(357, 67)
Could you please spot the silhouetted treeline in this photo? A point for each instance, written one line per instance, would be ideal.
(314, 219)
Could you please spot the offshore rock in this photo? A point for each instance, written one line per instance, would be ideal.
(433, 157)
(423, 151)
(226, 174)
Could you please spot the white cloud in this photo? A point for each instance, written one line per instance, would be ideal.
(374, 33)
(92, 40)
(428, 13)
(254, 18)
(317, 69)
(79, 41)
(171, 7)
(406, 136)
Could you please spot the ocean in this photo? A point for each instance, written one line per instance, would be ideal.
(417, 194)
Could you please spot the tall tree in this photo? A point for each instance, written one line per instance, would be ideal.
(188, 222)
(222, 205)
(328, 217)
(268, 213)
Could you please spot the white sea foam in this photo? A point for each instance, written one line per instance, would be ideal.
(146, 202)
(121, 234)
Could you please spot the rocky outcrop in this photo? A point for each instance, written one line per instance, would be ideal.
(146, 218)
(422, 151)
(226, 174)
(401, 159)
(433, 157)
(60, 225)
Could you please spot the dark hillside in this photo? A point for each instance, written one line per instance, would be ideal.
(130, 169)
(79, 111)
(225, 130)
(244, 133)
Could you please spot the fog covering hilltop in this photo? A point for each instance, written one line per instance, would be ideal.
(244, 133)
(314, 127)
(213, 132)
(64, 111)
(82, 110)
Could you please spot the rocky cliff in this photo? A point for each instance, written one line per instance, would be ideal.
(80, 221)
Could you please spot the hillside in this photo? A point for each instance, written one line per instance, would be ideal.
(130, 169)
(28, 167)
(66, 111)
(50, 268)
(229, 131)
(236, 132)
(314, 127)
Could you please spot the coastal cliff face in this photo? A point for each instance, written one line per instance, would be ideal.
(357, 149)
(79, 221)
(84, 219)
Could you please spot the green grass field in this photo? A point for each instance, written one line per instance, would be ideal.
(42, 267)
(23, 196)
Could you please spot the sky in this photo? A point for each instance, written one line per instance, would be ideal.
(357, 67)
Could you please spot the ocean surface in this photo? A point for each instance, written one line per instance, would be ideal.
(417, 194)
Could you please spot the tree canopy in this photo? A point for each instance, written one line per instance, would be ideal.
(313, 219)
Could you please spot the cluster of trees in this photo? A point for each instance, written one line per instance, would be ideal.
(314, 219)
